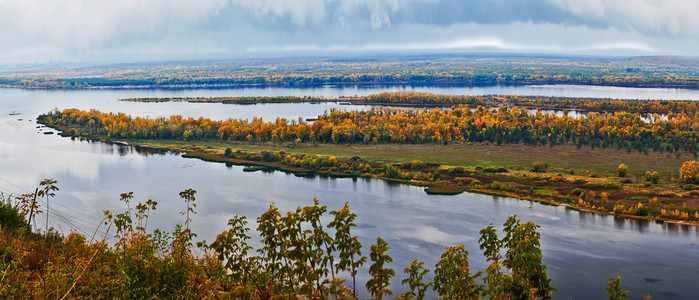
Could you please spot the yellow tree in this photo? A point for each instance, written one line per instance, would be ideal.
(689, 171)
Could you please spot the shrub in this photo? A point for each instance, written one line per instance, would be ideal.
(463, 180)
(539, 166)
(577, 192)
(413, 165)
(253, 157)
(228, 152)
(652, 176)
(611, 185)
(641, 210)
(391, 171)
(495, 170)
(690, 187)
(579, 181)
(456, 170)
(590, 185)
(10, 217)
(593, 175)
(559, 178)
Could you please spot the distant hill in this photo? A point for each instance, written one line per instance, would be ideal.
(667, 60)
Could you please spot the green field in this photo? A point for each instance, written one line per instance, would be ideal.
(561, 158)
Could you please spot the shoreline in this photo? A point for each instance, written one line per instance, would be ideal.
(465, 83)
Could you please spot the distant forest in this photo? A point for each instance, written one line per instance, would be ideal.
(432, 70)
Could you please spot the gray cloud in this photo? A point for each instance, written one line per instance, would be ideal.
(674, 18)
(130, 30)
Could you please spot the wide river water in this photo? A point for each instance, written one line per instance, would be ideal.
(581, 250)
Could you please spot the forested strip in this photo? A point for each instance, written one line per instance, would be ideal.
(556, 103)
(231, 100)
(416, 70)
(678, 131)
(412, 98)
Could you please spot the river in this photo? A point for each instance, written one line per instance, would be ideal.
(581, 250)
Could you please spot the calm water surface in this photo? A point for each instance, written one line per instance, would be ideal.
(581, 250)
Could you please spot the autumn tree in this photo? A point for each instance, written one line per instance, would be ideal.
(622, 170)
(689, 172)
(653, 177)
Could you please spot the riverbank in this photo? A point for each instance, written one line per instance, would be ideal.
(582, 179)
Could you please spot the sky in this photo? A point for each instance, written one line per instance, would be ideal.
(139, 30)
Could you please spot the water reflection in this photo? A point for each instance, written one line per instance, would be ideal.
(619, 222)
(680, 229)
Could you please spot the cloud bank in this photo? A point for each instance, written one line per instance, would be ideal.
(130, 30)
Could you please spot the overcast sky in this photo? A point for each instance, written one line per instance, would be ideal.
(135, 30)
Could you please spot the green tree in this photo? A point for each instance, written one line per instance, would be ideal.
(416, 273)
(452, 277)
(232, 249)
(525, 275)
(188, 196)
(494, 278)
(380, 274)
(270, 227)
(348, 246)
(47, 187)
(614, 289)
(320, 245)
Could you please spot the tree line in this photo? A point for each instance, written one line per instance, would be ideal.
(504, 125)
(422, 70)
(553, 103)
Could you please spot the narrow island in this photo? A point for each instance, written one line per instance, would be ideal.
(425, 99)
(615, 162)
